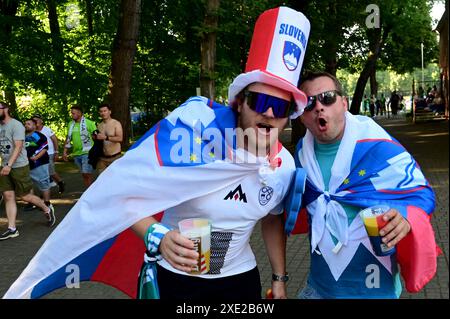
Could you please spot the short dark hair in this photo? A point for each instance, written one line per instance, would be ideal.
(105, 105)
(312, 75)
(37, 116)
(76, 107)
(32, 120)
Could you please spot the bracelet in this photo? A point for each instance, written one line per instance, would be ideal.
(282, 278)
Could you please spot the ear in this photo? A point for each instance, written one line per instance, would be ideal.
(344, 102)
(237, 105)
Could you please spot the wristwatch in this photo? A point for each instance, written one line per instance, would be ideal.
(283, 278)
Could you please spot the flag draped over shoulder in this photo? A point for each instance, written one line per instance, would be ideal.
(160, 171)
(371, 168)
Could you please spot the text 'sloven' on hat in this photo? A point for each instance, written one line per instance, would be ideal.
(276, 54)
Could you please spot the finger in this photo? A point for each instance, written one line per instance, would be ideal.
(181, 263)
(183, 241)
(390, 214)
(395, 235)
(394, 221)
(401, 234)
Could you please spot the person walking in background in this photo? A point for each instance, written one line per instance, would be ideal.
(372, 102)
(383, 104)
(79, 139)
(111, 133)
(365, 104)
(15, 172)
(394, 102)
(36, 145)
(52, 151)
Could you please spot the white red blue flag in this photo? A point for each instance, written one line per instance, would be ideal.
(160, 171)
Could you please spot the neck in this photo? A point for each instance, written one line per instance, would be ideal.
(6, 119)
(107, 120)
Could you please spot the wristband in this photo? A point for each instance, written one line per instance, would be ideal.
(153, 237)
(283, 278)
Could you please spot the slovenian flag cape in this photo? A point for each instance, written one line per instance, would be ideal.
(370, 168)
(184, 156)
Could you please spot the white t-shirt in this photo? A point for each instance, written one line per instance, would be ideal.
(48, 134)
(234, 212)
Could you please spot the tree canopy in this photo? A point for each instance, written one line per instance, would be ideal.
(54, 53)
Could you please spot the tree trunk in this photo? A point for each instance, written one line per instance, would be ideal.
(90, 25)
(57, 42)
(369, 68)
(208, 49)
(331, 46)
(10, 97)
(9, 8)
(298, 129)
(124, 49)
(373, 82)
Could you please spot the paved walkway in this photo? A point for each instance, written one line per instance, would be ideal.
(427, 141)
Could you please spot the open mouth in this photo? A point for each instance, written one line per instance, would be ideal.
(265, 127)
(322, 123)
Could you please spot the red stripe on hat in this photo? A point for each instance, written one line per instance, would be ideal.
(259, 53)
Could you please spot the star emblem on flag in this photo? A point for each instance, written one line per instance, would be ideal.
(346, 181)
(362, 172)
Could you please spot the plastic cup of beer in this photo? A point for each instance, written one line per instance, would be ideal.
(199, 231)
(374, 222)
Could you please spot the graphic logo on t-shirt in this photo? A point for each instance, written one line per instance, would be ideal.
(237, 194)
(265, 194)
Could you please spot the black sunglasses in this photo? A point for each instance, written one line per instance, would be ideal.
(326, 98)
(260, 103)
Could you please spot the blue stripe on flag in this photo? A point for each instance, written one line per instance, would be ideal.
(87, 264)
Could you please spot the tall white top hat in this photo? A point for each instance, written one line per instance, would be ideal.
(276, 54)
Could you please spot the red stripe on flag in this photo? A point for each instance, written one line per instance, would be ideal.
(156, 146)
(418, 188)
(120, 266)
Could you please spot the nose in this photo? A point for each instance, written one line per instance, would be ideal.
(318, 107)
(269, 113)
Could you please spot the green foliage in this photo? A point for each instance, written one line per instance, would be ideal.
(167, 63)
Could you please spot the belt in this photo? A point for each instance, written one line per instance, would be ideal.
(110, 156)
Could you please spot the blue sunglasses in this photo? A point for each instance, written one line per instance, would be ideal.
(260, 103)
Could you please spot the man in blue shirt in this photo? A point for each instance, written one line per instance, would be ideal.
(36, 145)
